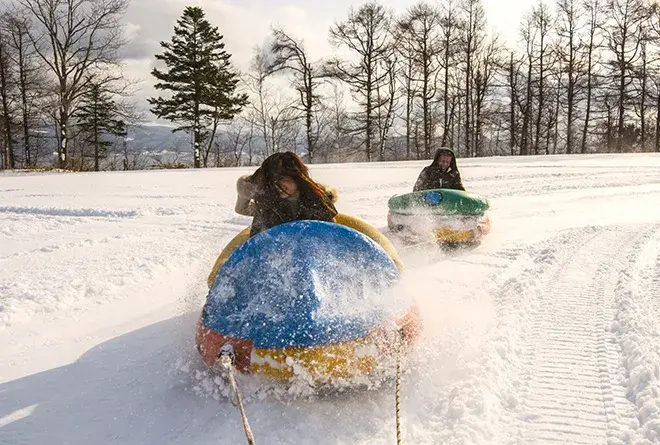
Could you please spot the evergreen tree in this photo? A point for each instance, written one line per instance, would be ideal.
(97, 116)
(200, 78)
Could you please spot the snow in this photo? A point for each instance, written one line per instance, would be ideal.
(546, 332)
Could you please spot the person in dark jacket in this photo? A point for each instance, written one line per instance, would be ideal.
(441, 174)
(282, 191)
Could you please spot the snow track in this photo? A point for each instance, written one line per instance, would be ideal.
(637, 329)
(570, 372)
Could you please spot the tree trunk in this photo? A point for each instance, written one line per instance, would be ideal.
(445, 94)
(96, 139)
(541, 104)
(657, 120)
(425, 100)
(468, 92)
(6, 115)
(527, 117)
(410, 98)
(571, 97)
(512, 106)
(23, 86)
(309, 109)
(65, 107)
(642, 105)
(369, 110)
(587, 113)
(657, 123)
(622, 109)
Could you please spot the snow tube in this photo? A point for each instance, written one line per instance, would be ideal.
(453, 216)
(307, 299)
(342, 218)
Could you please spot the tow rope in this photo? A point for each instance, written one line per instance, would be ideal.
(227, 360)
(397, 394)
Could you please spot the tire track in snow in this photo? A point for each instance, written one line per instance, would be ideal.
(479, 396)
(637, 330)
(571, 376)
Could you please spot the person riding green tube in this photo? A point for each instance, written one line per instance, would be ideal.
(442, 173)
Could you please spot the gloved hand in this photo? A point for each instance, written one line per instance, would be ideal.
(245, 190)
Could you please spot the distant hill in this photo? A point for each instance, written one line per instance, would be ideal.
(140, 138)
(157, 138)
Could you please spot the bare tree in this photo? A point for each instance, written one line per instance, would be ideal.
(405, 51)
(273, 114)
(528, 34)
(75, 39)
(570, 54)
(487, 64)
(231, 145)
(542, 20)
(290, 55)
(657, 115)
(512, 73)
(654, 22)
(592, 7)
(386, 94)
(421, 23)
(449, 29)
(338, 140)
(474, 23)
(260, 109)
(7, 84)
(29, 81)
(367, 33)
(624, 41)
(641, 73)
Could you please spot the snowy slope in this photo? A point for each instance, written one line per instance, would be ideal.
(546, 333)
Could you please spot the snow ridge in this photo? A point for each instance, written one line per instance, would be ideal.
(637, 330)
(54, 211)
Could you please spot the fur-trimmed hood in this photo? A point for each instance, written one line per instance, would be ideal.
(331, 193)
(246, 189)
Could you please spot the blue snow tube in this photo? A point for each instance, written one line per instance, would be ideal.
(302, 284)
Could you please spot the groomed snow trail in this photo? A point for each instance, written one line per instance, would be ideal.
(571, 379)
(547, 333)
(637, 331)
(551, 368)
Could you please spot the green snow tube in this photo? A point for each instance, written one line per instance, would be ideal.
(439, 201)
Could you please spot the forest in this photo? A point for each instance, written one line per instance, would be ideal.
(582, 77)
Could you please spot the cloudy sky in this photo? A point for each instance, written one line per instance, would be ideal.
(246, 23)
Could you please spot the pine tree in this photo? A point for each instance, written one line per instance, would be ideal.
(201, 80)
(97, 116)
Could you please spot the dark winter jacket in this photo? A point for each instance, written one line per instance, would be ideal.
(270, 211)
(433, 177)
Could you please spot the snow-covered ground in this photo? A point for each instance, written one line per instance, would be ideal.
(549, 332)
